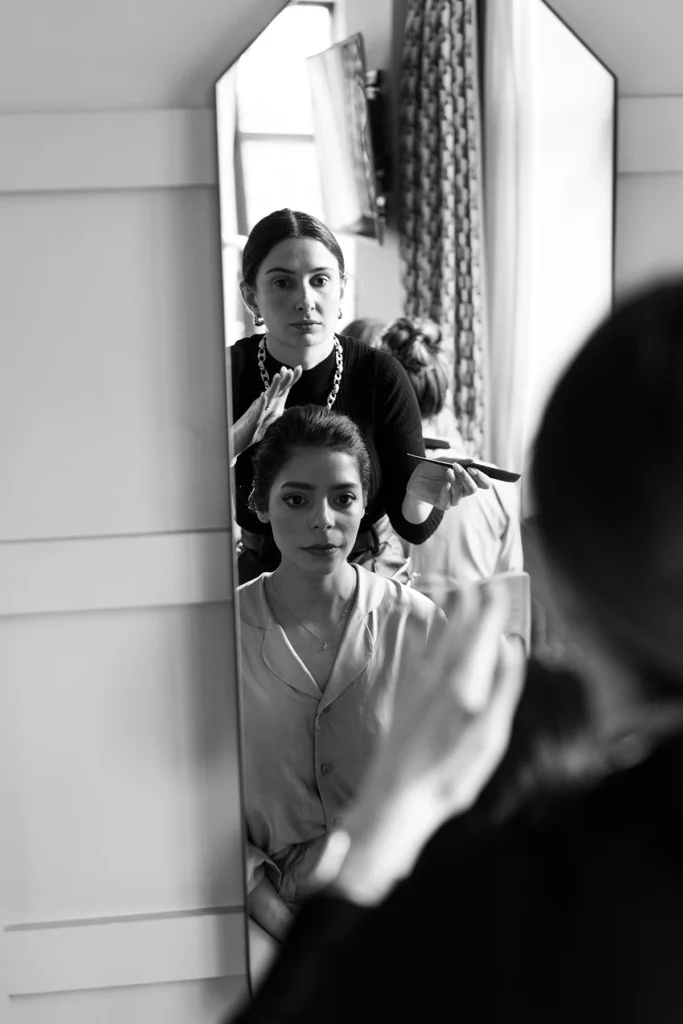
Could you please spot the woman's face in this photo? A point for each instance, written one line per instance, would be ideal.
(315, 507)
(298, 291)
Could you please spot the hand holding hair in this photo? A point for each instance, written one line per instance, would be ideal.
(263, 411)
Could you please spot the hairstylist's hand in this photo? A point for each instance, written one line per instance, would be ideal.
(264, 410)
(435, 484)
(451, 727)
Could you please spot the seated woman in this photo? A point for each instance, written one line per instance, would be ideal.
(322, 641)
(482, 537)
(570, 911)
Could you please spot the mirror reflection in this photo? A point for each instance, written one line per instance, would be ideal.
(360, 519)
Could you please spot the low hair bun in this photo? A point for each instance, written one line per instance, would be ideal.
(414, 341)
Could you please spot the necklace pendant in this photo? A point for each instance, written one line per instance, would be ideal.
(324, 645)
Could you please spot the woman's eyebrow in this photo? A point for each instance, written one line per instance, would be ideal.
(284, 270)
(311, 487)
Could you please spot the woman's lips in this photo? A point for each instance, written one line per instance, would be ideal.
(306, 325)
(322, 549)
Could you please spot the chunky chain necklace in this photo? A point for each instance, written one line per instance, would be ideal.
(325, 641)
(339, 369)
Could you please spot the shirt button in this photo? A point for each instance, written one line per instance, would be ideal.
(325, 769)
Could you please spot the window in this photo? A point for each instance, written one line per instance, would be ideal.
(275, 154)
(266, 147)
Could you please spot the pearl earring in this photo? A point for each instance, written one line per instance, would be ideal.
(258, 320)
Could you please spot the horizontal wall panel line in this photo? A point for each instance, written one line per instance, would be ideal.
(157, 570)
(651, 174)
(141, 951)
(87, 922)
(108, 150)
(650, 132)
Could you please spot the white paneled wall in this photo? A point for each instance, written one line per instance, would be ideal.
(122, 895)
(641, 45)
(650, 189)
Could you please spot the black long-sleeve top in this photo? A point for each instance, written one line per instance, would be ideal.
(577, 917)
(376, 394)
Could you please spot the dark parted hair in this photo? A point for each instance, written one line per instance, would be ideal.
(278, 227)
(417, 344)
(304, 426)
(365, 329)
(607, 475)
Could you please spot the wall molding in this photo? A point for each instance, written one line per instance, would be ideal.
(650, 132)
(97, 574)
(177, 148)
(108, 150)
(142, 949)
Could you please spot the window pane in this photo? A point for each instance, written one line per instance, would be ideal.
(278, 173)
(273, 92)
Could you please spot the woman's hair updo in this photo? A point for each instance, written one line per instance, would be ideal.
(305, 426)
(416, 343)
(280, 226)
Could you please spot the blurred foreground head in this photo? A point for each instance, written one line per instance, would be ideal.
(608, 479)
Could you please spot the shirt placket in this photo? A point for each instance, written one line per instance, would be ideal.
(325, 765)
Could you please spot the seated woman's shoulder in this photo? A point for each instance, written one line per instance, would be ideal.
(422, 605)
(394, 595)
(252, 601)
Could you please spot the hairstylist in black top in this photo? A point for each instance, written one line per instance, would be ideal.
(293, 281)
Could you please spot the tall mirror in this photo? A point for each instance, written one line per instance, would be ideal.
(357, 509)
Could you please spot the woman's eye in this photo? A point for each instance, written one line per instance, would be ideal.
(346, 499)
(281, 282)
(320, 281)
(294, 500)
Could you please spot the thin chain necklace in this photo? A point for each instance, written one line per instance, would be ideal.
(325, 641)
(339, 368)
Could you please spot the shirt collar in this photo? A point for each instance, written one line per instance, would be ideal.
(355, 650)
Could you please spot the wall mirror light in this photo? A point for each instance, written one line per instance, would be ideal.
(548, 123)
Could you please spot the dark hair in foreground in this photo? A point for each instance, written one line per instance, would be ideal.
(304, 426)
(608, 479)
(280, 226)
(416, 343)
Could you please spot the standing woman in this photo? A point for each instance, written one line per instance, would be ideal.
(293, 281)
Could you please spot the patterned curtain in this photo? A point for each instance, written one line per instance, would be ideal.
(441, 189)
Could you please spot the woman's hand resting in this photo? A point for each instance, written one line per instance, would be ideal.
(450, 730)
(263, 411)
(269, 910)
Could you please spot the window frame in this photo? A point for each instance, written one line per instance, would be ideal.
(243, 225)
